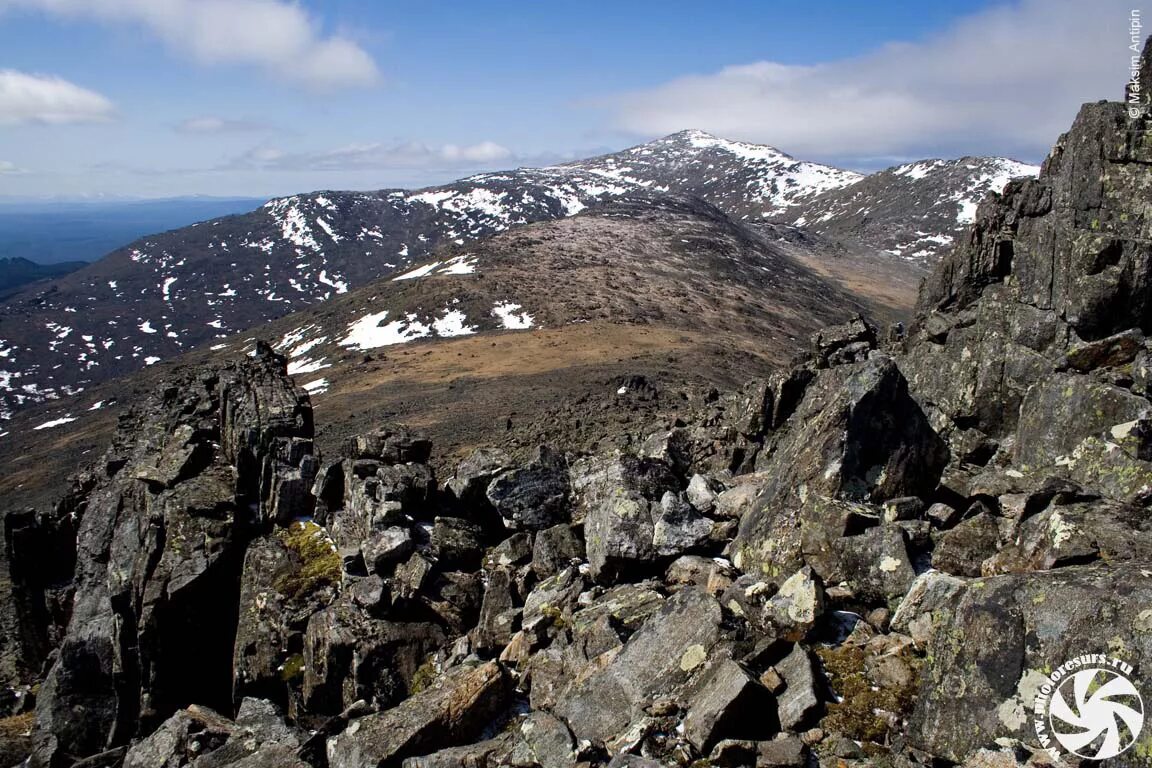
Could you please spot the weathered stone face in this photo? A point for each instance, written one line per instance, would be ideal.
(1054, 265)
(663, 654)
(999, 637)
(453, 711)
(161, 546)
(858, 436)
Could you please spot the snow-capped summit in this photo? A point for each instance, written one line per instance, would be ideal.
(748, 181)
(913, 211)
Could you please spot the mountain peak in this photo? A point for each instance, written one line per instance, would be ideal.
(702, 140)
(688, 135)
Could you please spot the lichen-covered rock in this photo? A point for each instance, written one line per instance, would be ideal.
(469, 483)
(963, 550)
(844, 344)
(155, 561)
(554, 549)
(1058, 413)
(857, 435)
(1076, 534)
(185, 736)
(874, 565)
(457, 544)
(543, 740)
(390, 445)
(286, 577)
(929, 593)
(499, 615)
(1057, 266)
(385, 546)
(348, 656)
(1109, 352)
(481, 754)
(667, 650)
(797, 605)
(620, 498)
(996, 641)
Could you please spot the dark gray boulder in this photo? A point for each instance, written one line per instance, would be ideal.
(619, 497)
(554, 549)
(535, 496)
(349, 656)
(543, 740)
(963, 550)
(677, 527)
(730, 704)
(799, 701)
(499, 614)
(668, 650)
(859, 436)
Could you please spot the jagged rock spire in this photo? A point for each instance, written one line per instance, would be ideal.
(1138, 89)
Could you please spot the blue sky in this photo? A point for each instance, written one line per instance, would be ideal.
(262, 97)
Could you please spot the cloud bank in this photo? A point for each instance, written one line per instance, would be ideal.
(29, 98)
(208, 124)
(276, 36)
(1007, 80)
(378, 156)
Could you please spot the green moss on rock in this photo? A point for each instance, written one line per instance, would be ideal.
(855, 715)
(317, 562)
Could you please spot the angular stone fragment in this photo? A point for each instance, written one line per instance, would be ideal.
(857, 436)
(800, 698)
(554, 549)
(678, 527)
(731, 704)
(663, 654)
(453, 711)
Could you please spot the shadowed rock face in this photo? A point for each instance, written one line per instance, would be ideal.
(193, 475)
(1055, 262)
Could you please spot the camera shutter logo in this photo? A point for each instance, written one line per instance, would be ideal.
(1090, 707)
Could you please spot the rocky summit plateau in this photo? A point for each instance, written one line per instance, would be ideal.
(873, 547)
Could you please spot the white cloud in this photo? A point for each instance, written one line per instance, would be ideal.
(7, 167)
(356, 157)
(29, 98)
(277, 36)
(1006, 80)
(212, 124)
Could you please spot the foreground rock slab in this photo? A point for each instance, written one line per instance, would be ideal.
(995, 643)
(452, 712)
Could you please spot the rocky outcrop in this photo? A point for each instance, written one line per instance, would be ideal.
(197, 471)
(859, 436)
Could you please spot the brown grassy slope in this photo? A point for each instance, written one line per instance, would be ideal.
(678, 294)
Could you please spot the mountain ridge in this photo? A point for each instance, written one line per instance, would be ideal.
(173, 291)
